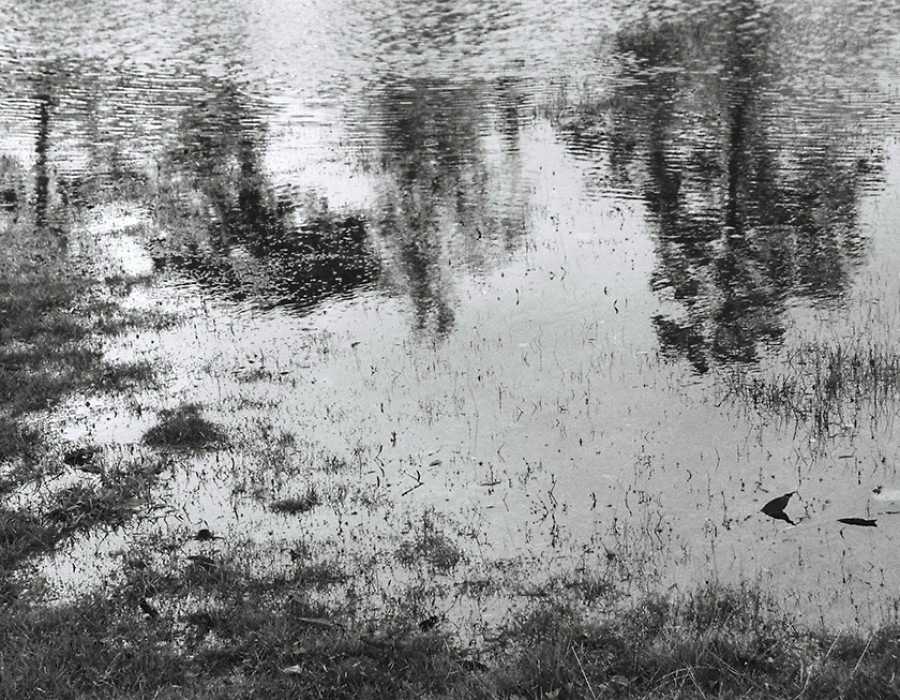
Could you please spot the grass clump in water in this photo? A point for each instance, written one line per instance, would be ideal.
(82, 506)
(430, 545)
(824, 386)
(297, 505)
(183, 428)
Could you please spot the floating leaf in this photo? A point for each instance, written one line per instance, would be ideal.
(861, 522)
(775, 507)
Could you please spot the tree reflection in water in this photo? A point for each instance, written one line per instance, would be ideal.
(753, 191)
(441, 206)
(230, 229)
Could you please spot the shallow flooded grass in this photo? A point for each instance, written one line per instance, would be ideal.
(213, 613)
(826, 386)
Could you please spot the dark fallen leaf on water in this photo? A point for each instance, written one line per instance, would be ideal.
(82, 458)
(204, 534)
(775, 508)
(862, 522)
(148, 609)
(429, 623)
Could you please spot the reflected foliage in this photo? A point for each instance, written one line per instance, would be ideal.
(228, 227)
(753, 188)
(442, 204)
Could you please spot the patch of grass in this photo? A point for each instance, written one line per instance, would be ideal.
(36, 378)
(255, 637)
(718, 642)
(823, 385)
(429, 545)
(333, 464)
(22, 534)
(90, 649)
(51, 320)
(183, 428)
(319, 574)
(17, 441)
(121, 376)
(109, 501)
(108, 318)
(82, 506)
(297, 505)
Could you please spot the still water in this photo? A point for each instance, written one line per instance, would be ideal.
(510, 262)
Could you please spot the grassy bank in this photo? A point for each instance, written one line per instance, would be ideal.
(54, 318)
(264, 641)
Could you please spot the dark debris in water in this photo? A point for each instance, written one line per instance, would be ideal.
(204, 534)
(80, 457)
(775, 508)
(861, 522)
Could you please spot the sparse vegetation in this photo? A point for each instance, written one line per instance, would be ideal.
(827, 386)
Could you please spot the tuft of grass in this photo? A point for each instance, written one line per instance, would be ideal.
(22, 534)
(17, 441)
(83, 506)
(183, 428)
(431, 546)
(118, 377)
(297, 505)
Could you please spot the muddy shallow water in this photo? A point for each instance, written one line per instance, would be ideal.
(499, 266)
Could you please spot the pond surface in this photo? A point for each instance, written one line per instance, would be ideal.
(569, 279)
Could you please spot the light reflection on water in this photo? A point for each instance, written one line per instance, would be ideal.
(533, 236)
